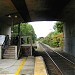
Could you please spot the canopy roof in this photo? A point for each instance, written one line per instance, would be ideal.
(35, 10)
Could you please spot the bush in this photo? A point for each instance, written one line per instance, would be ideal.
(54, 40)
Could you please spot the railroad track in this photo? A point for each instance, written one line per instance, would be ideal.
(57, 64)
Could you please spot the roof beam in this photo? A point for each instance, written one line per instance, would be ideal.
(22, 9)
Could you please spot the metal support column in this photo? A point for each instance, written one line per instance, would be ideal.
(19, 34)
(19, 41)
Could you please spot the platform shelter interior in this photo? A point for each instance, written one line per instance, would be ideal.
(14, 12)
(21, 11)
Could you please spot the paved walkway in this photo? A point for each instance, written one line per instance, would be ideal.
(10, 66)
(40, 68)
(28, 68)
(25, 66)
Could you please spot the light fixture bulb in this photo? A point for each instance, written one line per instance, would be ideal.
(9, 16)
(15, 16)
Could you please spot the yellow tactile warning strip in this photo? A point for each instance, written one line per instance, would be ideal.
(40, 68)
(20, 66)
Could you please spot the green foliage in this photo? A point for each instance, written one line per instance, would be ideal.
(55, 39)
(40, 39)
(26, 30)
(58, 27)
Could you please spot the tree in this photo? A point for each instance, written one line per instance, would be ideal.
(26, 30)
(58, 27)
(55, 39)
(40, 39)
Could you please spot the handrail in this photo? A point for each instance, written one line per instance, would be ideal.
(5, 44)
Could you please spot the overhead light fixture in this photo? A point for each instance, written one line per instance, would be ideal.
(15, 16)
(12, 31)
(9, 16)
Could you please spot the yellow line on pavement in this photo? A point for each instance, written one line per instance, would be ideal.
(39, 68)
(20, 66)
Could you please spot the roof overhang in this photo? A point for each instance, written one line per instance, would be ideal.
(35, 10)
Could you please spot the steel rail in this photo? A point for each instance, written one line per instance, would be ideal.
(51, 59)
(61, 55)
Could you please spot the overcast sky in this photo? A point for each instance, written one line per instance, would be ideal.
(43, 28)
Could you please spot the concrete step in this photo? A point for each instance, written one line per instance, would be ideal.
(11, 47)
(9, 50)
(6, 57)
(9, 53)
(9, 57)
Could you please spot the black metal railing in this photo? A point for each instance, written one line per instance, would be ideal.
(5, 44)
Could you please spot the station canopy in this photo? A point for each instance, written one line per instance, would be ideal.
(34, 10)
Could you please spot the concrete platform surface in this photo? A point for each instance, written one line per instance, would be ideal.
(28, 68)
(29, 45)
(24, 66)
(40, 68)
(10, 66)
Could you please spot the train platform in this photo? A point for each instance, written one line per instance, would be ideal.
(29, 45)
(25, 66)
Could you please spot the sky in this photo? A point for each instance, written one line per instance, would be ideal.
(43, 28)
